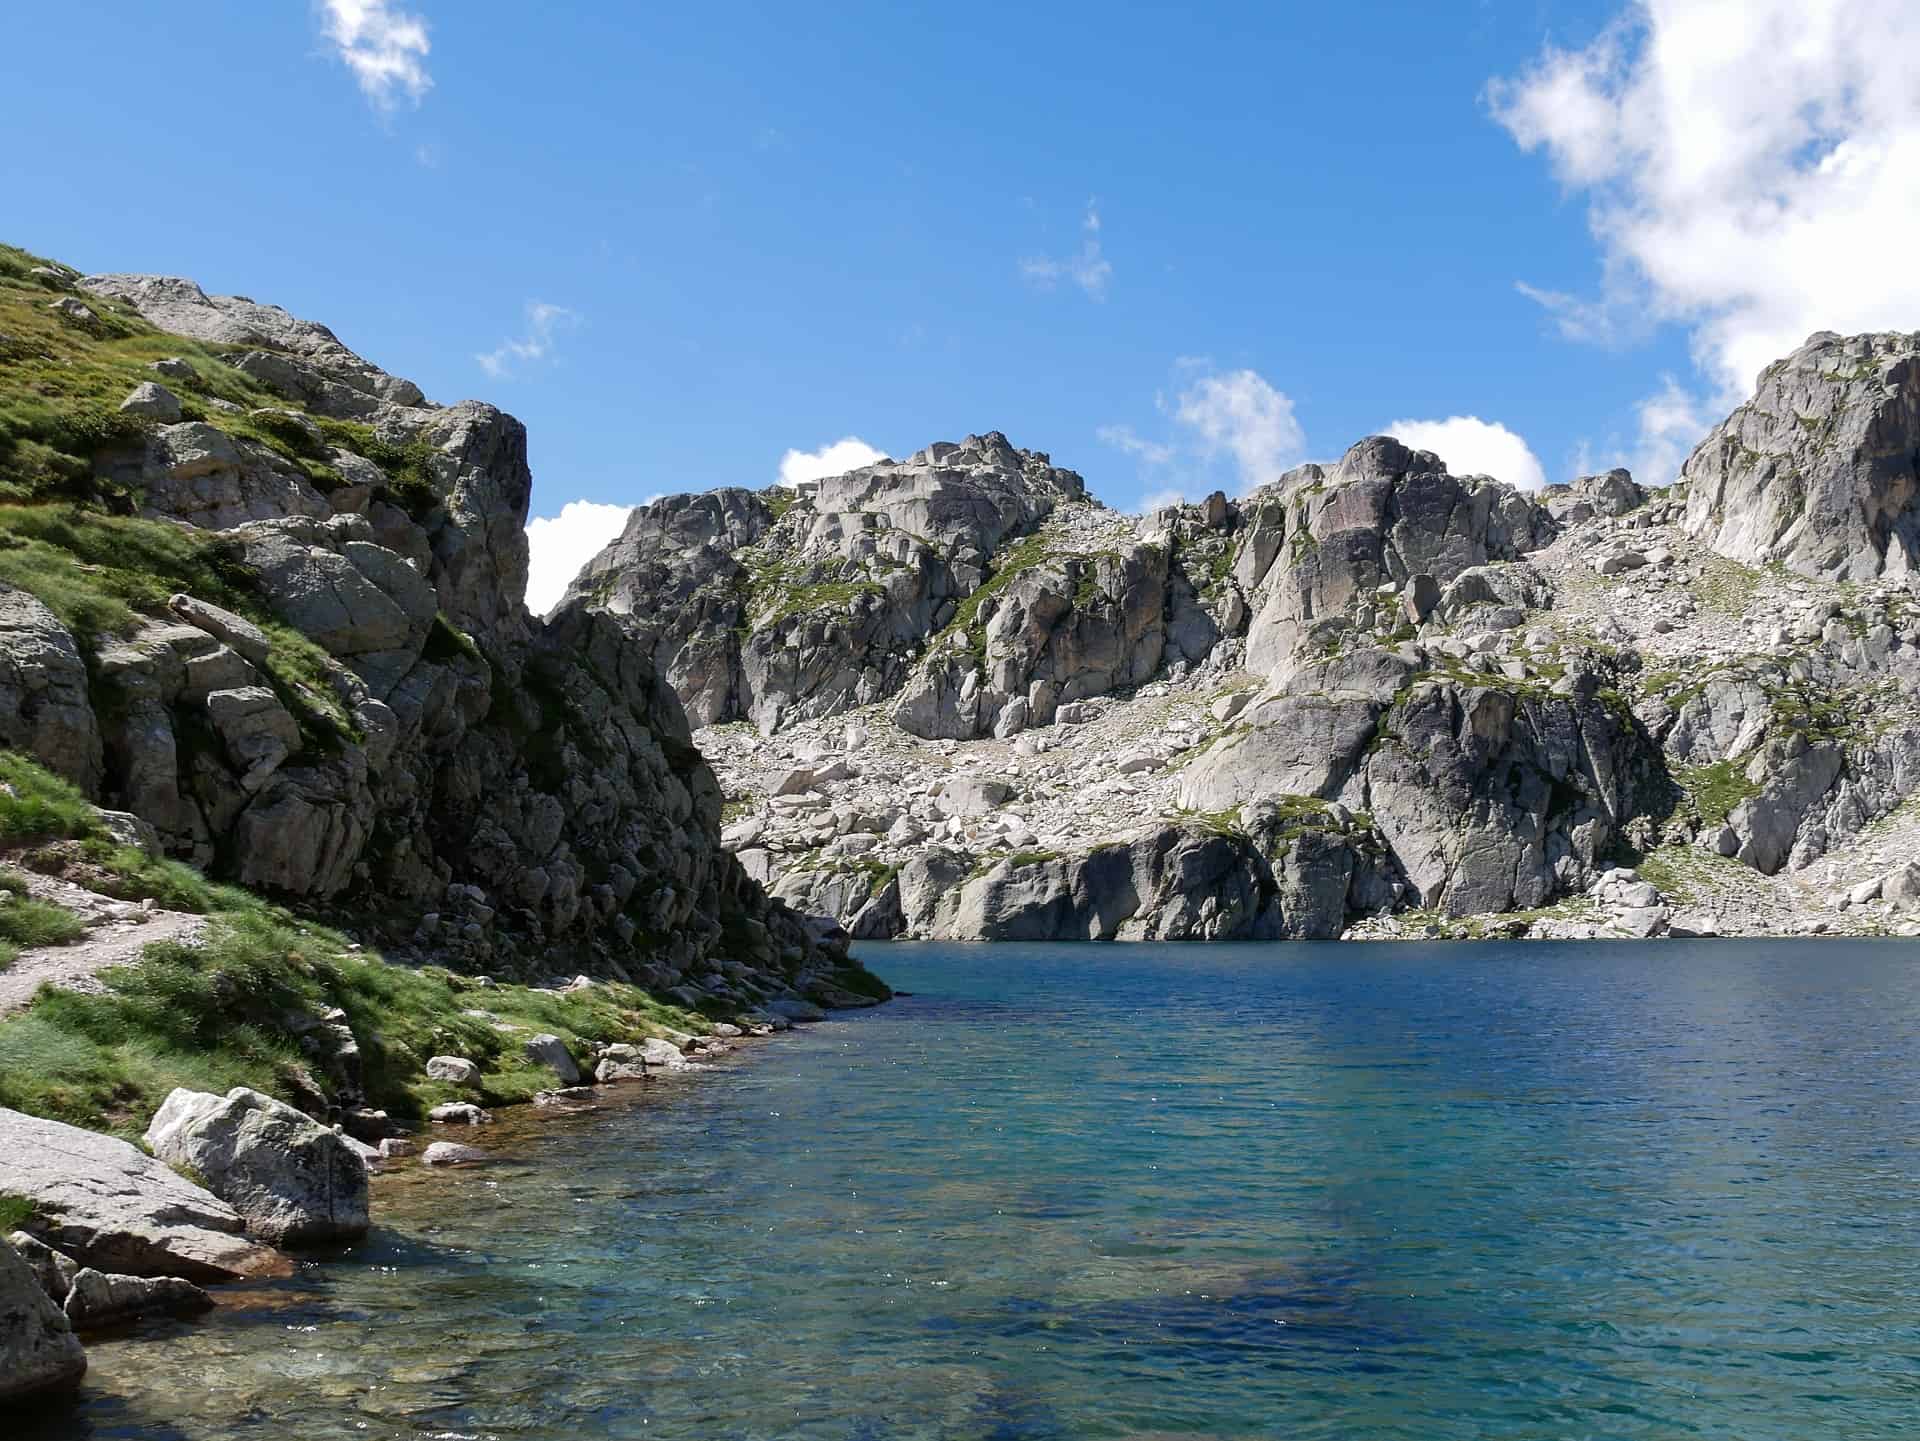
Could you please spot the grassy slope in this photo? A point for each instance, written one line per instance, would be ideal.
(228, 1012)
(222, 1014)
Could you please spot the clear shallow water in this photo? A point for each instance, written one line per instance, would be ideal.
(1303, 1191)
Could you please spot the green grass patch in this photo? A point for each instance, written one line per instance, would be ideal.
(62, 381)
(101, 574)
(226, 1013)
(16, 1213)
(26, 922)
(1716, 790)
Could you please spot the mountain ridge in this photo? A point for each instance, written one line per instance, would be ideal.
(1380, 639)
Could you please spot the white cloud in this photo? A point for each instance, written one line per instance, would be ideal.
(385, 47)
(1240, 414)
(543, 320)
(1089, 268)
(848, 453)
(1472, 446)
(559, 545)
(1124, 438)
(1752, 169)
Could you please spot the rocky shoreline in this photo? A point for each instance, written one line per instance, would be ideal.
(106, 1234)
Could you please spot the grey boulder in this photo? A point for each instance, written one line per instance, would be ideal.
(39, 1354)
(96, 1299)
(552, 1052)
(295, 1181)
(112, 1207)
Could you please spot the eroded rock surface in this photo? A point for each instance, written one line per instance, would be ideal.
(110, 1206)
(1820, 470)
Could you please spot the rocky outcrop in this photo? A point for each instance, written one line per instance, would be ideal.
(294, 1181)
(1507, 698)
(1491, 794)
(39, 1354)
(358, 713)
(1820, 470)
(789, 606)
(44, 710)
(1328, 550)
(111, 1207)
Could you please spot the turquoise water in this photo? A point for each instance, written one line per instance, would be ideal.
(1296, 1191)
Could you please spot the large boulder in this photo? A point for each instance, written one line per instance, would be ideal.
(295, 1181)
(1818, 471)
(39, 1354)
(110, 1206)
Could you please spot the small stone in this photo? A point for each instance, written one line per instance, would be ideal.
(452, 1153)
(456, 1070)
(459, 1113)
(153, 400)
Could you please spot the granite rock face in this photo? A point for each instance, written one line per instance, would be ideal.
(112, 1207)
(1325, 541)
(779, 607)
(44, 708)
(387, 731)
(1457, 700)
(1820, 470)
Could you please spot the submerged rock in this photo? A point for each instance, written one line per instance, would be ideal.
(96, 1300)
(452, 1153)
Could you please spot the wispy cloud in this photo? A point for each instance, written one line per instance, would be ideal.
(1089, 268)
(543, 322)
(1611, 320)
(384, 46)
(848, 453)
(1124, 438)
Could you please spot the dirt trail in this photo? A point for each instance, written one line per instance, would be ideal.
(120, 930)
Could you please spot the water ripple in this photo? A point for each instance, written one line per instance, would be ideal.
(1513, 1191)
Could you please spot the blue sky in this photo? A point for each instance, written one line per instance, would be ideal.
(680, 242)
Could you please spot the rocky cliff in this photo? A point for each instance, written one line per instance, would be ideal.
(266, 599)
(1367, 696)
